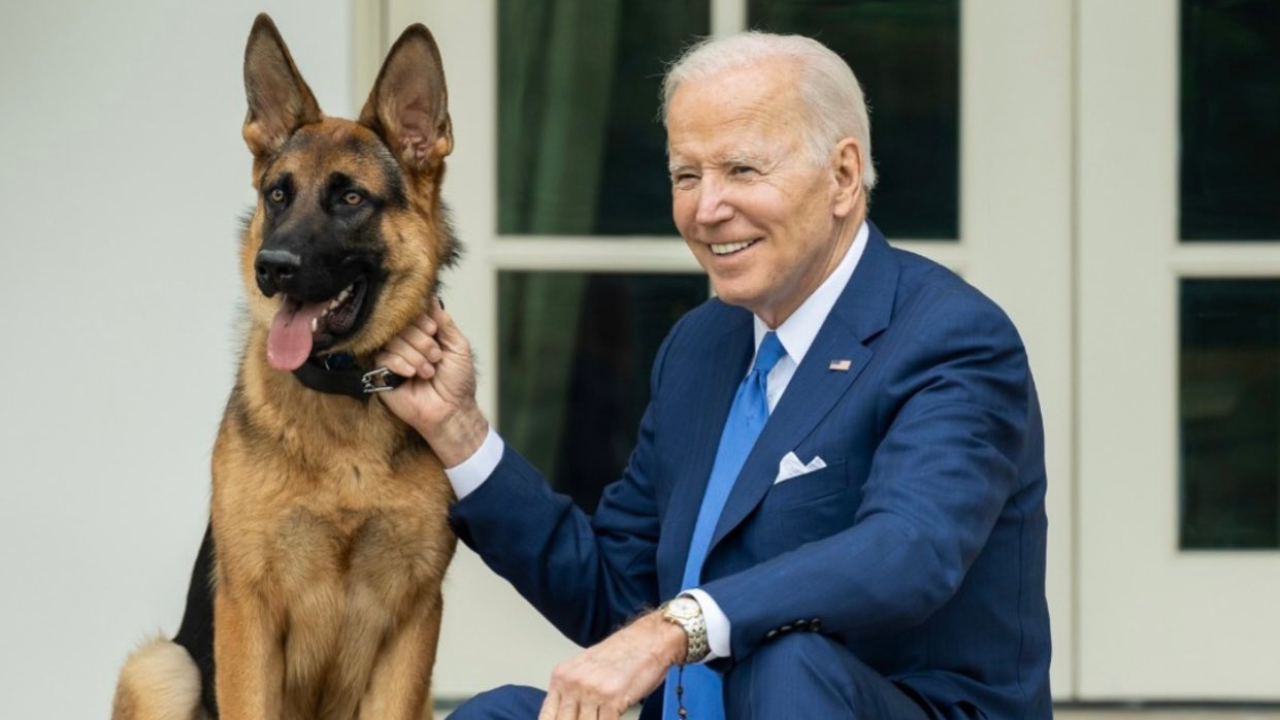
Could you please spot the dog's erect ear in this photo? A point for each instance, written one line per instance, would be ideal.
(409, 105)
(279, 99)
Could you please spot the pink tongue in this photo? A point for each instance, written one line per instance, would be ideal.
(289, 342)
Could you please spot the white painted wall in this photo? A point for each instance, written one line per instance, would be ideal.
(122, 175)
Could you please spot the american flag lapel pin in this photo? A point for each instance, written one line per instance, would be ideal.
(840, 365)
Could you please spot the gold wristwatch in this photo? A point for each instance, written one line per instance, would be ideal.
(684, 611)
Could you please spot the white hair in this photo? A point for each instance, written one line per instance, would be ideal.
(829, 91)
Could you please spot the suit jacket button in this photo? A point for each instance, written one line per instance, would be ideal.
(785, 628)
(771, 635)
(801, 624)
(815, 624)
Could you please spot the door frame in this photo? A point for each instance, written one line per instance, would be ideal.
(1158, 622)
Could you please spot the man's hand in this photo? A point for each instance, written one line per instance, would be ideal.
(606, 679)
(439, 400)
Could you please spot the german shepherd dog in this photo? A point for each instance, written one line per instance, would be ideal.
(319, 587)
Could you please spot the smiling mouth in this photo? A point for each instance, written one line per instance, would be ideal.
(300, 327)
(731, 248)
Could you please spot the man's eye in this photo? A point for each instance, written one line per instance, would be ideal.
(742, 170)
(276, 195)
(683, 178)
(351, 197)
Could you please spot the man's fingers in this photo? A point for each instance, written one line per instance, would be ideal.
(568, 709)
(407, 352)
(550, 706)
(596, 708)
(448, 335)
(395, 364)
(424, 323)
(419, 340)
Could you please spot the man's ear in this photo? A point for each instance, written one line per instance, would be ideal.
(846, 167)
(279, 100)
(409, 104)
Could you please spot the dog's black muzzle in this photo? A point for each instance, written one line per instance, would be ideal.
(313, 277)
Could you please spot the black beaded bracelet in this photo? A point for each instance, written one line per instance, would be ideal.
(684, 714)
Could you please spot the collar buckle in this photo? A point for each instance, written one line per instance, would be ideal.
(380, 380)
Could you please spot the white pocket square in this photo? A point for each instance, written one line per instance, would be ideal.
(791, 467)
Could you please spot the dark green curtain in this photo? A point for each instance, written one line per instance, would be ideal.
(581, 151)
(555, 77)
(555, 73)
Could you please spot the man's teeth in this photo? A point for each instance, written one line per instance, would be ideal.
(726, 248)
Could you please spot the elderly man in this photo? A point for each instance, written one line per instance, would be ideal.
(836, 502)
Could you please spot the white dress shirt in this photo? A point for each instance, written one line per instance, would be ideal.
(796, 334)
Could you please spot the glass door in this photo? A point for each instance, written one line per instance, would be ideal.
(1179, 349)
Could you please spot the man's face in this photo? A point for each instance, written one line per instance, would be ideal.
(762, 218)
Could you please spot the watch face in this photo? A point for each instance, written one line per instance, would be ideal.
(685, 607)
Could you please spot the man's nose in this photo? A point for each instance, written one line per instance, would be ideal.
(712, 206)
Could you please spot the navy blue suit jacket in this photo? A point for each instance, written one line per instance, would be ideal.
(920, 546)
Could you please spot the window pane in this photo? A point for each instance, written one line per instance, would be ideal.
(1230, 120)
(906, 54)
(575, 351)
(1230, 414)
(581, 150)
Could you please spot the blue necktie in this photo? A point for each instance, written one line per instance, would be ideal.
(703, 697)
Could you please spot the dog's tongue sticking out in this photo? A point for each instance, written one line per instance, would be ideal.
(289, 342)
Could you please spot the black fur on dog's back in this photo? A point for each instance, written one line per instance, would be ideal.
(196, 633)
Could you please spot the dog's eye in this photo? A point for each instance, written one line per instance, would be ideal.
(276, 195)
(351, 197)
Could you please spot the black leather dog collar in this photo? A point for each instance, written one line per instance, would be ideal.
(339, 375)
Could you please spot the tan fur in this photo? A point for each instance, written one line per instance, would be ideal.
(159, 682)
(329, 515)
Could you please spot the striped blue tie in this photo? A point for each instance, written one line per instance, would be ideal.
(702, 695)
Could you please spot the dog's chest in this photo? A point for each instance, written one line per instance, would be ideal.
(353, 529)
(351, 535)
(359, 545)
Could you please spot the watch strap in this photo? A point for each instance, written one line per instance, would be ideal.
(695, 630)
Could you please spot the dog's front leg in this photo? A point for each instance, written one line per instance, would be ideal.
(249, 655)
(400, 688)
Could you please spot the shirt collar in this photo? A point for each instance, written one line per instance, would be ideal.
(798, 332)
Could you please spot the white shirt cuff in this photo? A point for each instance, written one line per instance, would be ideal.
(473, 471)
(717, 624)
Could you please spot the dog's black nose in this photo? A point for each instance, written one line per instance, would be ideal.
(275, 269)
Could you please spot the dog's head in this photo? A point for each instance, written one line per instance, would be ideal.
(348, 233)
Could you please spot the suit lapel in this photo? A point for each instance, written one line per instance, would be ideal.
(862, 311)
